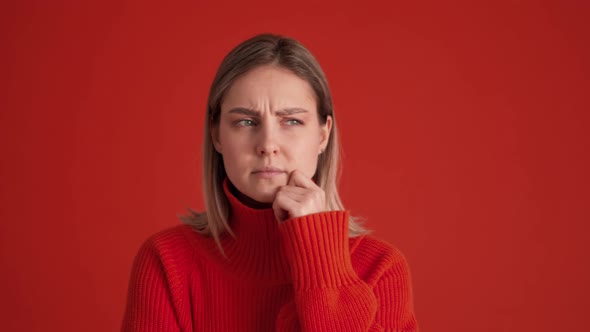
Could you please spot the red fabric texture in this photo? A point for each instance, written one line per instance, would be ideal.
(304, 274)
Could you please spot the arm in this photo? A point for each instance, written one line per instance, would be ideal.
(150, 305)
(396, 301)
(329, 295)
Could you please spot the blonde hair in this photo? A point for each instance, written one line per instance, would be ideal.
(260, 50)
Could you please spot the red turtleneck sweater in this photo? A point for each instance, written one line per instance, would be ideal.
(304, 274)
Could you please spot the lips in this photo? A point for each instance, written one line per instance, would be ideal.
(269, 169)
(268, 172)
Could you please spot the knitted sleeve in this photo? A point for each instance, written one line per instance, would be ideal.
(154, 299)
(329, 295)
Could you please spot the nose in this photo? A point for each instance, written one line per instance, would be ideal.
(267, 143)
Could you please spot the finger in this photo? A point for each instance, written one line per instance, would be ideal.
(280, 214)
(284, 207)
(291, 189)
(297, 178)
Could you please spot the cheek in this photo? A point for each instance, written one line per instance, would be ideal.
(305, 157)
(234, 154)
(232, 143)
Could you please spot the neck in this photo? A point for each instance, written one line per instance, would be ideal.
(245, 199)
(256, 252)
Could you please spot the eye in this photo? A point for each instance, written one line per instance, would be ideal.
(293, 122)
(245, 123)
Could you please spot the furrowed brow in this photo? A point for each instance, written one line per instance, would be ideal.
(290, 111)
(245, 111)
(254, 113)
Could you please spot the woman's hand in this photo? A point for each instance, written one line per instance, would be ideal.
(300, 197)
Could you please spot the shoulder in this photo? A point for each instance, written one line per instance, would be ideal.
(372, 257)
(174, 237)
(175, 245)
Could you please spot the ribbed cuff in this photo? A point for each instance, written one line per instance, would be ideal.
(317, 249)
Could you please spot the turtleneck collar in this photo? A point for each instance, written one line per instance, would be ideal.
(256, 252)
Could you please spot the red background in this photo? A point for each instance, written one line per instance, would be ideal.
(464, 127)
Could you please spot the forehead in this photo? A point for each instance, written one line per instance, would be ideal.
(269, 87)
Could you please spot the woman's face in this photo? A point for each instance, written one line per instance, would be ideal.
(269, 127)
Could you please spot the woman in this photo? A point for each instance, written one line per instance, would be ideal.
(275, 249)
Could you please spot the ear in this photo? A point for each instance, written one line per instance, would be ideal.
(325, 130)
(214, 129)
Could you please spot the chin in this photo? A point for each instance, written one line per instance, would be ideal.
(264, 195)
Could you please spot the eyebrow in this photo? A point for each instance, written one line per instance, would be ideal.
(254, 113)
